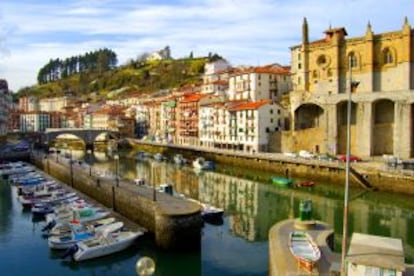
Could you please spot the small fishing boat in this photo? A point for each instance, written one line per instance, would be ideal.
(179, 159)
(210, 214)
(53, 197)
(281, 181)
(159, 157)
(80, 233)
(141, 156)
(66, 227)
(304, 249)
(201, 164)
(105, 243)
(308, 183)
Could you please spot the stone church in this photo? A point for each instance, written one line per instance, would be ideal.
(375, 71)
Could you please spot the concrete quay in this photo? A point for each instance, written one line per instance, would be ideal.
(283, 263)
(175, 223)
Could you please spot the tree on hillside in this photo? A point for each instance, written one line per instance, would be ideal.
(99, 61)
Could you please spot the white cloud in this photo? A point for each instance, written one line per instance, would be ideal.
(244, 32)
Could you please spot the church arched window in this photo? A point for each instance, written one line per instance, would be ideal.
(387, 56)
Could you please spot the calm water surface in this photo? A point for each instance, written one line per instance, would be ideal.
(236, 247)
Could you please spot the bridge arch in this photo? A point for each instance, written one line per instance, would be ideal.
(88, 136)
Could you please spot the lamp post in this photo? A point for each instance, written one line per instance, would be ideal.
(154, 190)
(89, 152)
(352, 85)
(116, 157)
(71, 166)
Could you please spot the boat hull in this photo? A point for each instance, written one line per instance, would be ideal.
(100, 247)
(304, 249)
(281, 181)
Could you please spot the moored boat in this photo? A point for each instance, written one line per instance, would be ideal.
(281, 181)
(201, 164)
(105, 243)
(80, 233)
(88, 213)
(308, 183)
(179, 159)
(66, 227)
(159, 157)
(304, 249)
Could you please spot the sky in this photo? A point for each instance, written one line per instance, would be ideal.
(244, 32)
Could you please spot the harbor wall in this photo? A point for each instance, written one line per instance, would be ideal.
(376, 176)
(171, 231)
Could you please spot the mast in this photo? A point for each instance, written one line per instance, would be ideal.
(347, 169)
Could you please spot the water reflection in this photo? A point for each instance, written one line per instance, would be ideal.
(5, 206)
(253, 206)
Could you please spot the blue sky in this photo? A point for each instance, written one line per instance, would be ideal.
(254, 32)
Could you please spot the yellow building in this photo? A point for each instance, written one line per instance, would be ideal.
(380, 70)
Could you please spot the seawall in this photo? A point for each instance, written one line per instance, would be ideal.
(375, 174)
(175, 223)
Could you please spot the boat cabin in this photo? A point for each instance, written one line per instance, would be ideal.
(375, 255)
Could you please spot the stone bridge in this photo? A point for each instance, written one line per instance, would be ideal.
(88, 135)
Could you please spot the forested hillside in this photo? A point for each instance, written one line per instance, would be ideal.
(94, 76)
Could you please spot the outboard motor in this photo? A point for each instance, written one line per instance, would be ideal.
(70, 251)
(49, 226)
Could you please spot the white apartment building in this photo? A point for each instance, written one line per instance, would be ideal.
(34, 121)
(251, 124)
(243, 126)
(260, 83)
(215, 78)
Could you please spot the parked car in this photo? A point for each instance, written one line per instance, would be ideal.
(306, 154)
(352, 158)
(326, 157)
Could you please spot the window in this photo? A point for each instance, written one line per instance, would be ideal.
(271, 111)
(321, 61)
(353, 61)
(387, 56)
(299, 65)
(329, 72)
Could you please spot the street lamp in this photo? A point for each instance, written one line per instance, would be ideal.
(352, 85)
(89, 152)
(70, 163)
(116, 157)
(154, 190)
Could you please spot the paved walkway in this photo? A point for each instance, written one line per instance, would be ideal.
(282, 262)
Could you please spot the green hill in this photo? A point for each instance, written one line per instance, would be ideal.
(136, 76)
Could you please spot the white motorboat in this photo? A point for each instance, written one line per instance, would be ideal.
(179, 159)
(66, 227)
(105, 243)
(201, 164)
(80, 233)
(53, 197)
(159, 157)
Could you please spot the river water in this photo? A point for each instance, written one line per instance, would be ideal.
(237, 246)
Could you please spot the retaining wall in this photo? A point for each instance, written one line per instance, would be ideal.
(172, 231)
